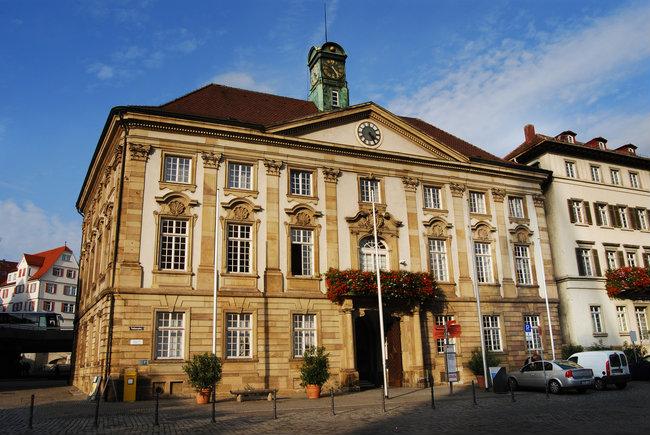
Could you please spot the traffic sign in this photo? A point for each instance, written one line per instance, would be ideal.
(527, 328)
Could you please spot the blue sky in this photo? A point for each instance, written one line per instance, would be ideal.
(480, 70)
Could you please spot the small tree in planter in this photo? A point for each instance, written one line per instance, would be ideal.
(475, 364)
(314, 371)
(204, 373)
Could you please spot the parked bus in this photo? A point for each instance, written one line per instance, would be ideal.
(30, 320)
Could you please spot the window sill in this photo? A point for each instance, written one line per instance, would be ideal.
(435, 210)
(519, 220)
(302, 198)
(581, 224)
(627, 229)
(240, 360)
(624, 334)
(480, 216)
(240, 192)
(531, 286)
(304, 278)
(242, 274)
(172, 272)
(176, 186)
(167, 361)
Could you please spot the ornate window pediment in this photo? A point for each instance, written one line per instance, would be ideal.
(482, 232)
(240, 209)
(303, 215)
(362, 223)
(521, 234)
(176, 204)
(437, 228)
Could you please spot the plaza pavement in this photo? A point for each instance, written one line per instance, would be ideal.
(62, 409)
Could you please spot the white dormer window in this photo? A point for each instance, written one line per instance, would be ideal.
(569, 138)
(601, 145)
(335, 98)
(66, 257)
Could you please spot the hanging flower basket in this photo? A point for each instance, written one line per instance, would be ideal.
(628, 283)
(398, 288)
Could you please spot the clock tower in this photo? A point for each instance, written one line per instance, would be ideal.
(329, 89)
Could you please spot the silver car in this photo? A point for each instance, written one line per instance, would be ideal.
(558, 375)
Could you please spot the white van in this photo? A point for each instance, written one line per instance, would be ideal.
(609, 367)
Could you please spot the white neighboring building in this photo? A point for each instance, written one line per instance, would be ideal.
(597, 212)
(44, 282)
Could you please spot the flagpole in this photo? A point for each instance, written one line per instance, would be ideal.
(381, 306)
(216, 271)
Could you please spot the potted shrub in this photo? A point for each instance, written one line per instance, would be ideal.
(204, 373)
(475, 364)
(314, 371)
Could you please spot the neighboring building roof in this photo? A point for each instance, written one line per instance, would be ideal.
(6, 267)
(43, 260)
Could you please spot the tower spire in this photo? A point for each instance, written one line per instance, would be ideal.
(325, 14)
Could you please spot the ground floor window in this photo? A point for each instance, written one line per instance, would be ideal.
(170, 333)
(440, 342)
(534, 341)
(492, 333)
(621, 318)
(596, 319)
(239, 335)
(304, 333)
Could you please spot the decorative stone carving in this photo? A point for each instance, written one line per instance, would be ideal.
(362, 222)
(498, 194)
(303, 218)
(438, 228)
(139, 152)
(273, 167)
(538, 200)
(483, 232)
(457, 190)
(241, 212)
(331, 175)
(303, 215)
(176, 207)
(410, 184)
(240, 209)
(117, 155)
(522, 234)
(211, 160)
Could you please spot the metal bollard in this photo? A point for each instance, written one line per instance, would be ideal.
(433, 399)
(214, 404)
(332, 397)
(275, 410)
(474, 393)
(155, 421)
(512, 395)
(383, 399)
(97, 409)
(31, 413)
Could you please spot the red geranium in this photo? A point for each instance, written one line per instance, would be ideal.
(628, 283)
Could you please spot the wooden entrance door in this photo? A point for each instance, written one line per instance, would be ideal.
(394, 341)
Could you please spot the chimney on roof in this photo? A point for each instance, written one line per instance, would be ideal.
(529, 132)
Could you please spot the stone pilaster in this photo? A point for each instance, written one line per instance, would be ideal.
(205, 276)
(273, 279)
(464, 263)
(507, 282)
(349, 377)
(331, 176)
(545, 248)
(129, 269)
(410, 187)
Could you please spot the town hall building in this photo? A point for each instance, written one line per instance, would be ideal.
(286, 187)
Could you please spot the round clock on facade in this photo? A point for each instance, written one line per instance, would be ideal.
(332, 69)
(369, 133)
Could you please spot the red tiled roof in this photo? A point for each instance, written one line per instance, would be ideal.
(45, 260)
(34, 260)
(224, 102)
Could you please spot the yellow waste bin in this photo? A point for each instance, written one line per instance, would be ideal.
(130, 384)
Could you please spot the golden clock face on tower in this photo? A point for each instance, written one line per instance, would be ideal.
(332, 69)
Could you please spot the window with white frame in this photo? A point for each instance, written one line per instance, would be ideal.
(240, 176)
(641, 217)
(369, 190)
(610, 256)
(634, 180)
(50, 287)
(17, 306)
(302, 252)
(585, 267)
(304, 333)
(596, 319)
(533, 341)
(238, 249)
(578, 212)
(492, 333)
(69, 290)
(48, 306)
(616, 176)
(173, 244)
(66, 257)
(602, 214)
(239, 333)
(621, 318)
(335, 98)
(32, 287)
(630, 257)
(522, 265)
(170, 335)
(483, 258)
(432, 197)
(177, 169)
(30, 306)
(477, 202)
(300, 182)
(570, 169)
(438, 259)
(622, 217)
(642, 322)
(516, 206)
(57, 271)
(70, 273)
(595, 174)
(67, 308)
(367, 254)
(440, 342)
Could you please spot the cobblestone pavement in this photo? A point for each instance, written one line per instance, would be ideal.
(64, 410)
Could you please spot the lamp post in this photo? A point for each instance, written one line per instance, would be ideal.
(381, 307)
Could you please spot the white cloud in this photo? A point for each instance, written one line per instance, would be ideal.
(28, 228)
(101, 70)
(241, 79)
(488, 96)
